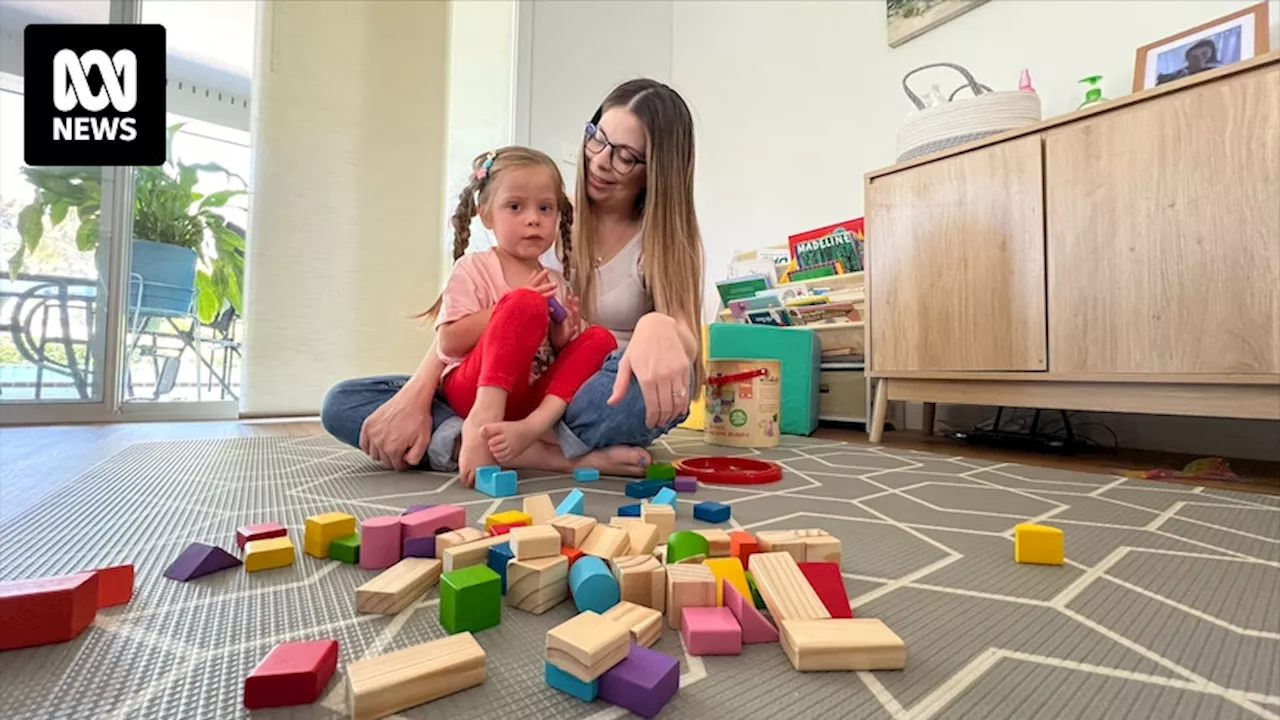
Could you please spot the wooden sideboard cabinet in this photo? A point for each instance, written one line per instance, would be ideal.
(1122, 258)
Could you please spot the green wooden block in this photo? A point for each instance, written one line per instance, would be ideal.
(755, 592)
(660, 471)
(683, 544)
(800, 352)
(346, 549)
(470, 599)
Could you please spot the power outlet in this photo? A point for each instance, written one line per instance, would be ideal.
(569, 153)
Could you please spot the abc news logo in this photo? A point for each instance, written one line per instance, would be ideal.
(95, 95)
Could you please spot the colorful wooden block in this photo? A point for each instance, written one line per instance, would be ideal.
(539, 584)
(571, 554)
(642, 489)
(756, 628)
(606, 542)
(842, 644)
(593, 585)
(743, 545)
(398, 587)
(643, 682)
(539, 508)
(718, 542)
(323, 529)
(347, 549)
(573, 529)
(688, 585)
(755, 593)
(293, 673)
(1038, 544)
(825, 579)
(587, 645)
(661, 516)
(644, 623)
(507, 517)
(686, 484)
(728, 569)
(433, 521)
(380, 545)
(470, 599)
(642, 536)
(534, 541)
(259, 531)
(586, 474)
(199, 560)
(40, 611)
(710, 631)
(499, 557)
(503, 529)
(499, 484)
(272, 553)
(686, 545)
(574, 503)
(805, 545)
(115, 585)
(465, 555)
(665, 496)
(386, 684)
(558, 679)
(415, 508)
(631, 510)
(453, 538)
(641, 580)
(660, 471)
(786, 592)
(485, 474)
(712, 512)
(423, 547)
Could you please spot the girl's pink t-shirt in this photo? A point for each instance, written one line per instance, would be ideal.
(476, 284)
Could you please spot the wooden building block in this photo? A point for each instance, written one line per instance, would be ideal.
(571, 553)
(534, 541)
(822, 548)
(461, 536)
(826, 580)
(573, 529)
(712, 512)
(115, 585)
(399, 586)
(710, 631)
(641, 580)
(347, 549)
(665, 496)
(644, 623)
(686, 545)
(643, 682)
(574, 503)
(539, 584)
(606, 542)
(273, 553)
(728, 569)
(842, 644)
(558, 679)
(323, 529)
(199, 560)
(1038, 544)
(663, 516)
(630, 510)
(688, 585)
(755, 627)
(259, 531)
(384, 685)
(470, 599)
(380, 546)
(660, 471)
(433, 521)
(806, 545)
(593, 585)
(642, 536)
(785, 541)
(587, 645)
(46, 610)
(465, 555)
(743, 545)
(293, 673)
(785, 590)
(540, 508)
(503, 529)
(507, 517)
(718, 542)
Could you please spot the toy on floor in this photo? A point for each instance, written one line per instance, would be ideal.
(293, 673)
(470, 599)
(586, 474)
(642, 579)
(535, 585)
(510, 518)
(642, 536)
(662, 517)
(718, 542)
(686, 483)
(496, 482)
(1038, 544)
(347, 549)
(539, 508)
(572, 504)
(47, 610)
(686, 546)
(386, 684)
(587, 645)
(644, 621)
(398, 587)
(199, 560)
(825, 579)
(380, 542)
(500, 556)
(632, 510)
(573, 529)
(272, 553)
(688, 585)
(712, 512)
(660, 471)
(592, 585)
(710, 631)
(432, 521)
(728, 570)
(841, 644)
(606, 542)
(320, 531)
(730, 470)
(468, 554)
(665, 496)
(115, 585)
(643, 682)
(756, 628)
(259, 531)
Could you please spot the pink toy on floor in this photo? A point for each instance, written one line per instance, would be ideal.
(756, 628)
(710, 631)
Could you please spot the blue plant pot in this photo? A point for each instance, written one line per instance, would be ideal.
(168, 279)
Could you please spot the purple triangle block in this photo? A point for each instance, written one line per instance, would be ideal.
(199, 560)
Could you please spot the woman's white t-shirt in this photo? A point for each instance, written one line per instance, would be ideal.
(621, 296)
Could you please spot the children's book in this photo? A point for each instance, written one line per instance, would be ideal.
(840, 243)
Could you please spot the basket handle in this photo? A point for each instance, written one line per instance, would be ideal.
(736, 377)
(977, 87)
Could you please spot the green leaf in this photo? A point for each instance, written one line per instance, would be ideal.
(31, 226)
(234, 294)
(58, 212)
(219, 198)
(16, 261)
(187, 177)
(215, 167)
(87, 236)
(208, 301)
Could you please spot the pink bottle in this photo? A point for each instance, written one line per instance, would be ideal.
(1024, 81)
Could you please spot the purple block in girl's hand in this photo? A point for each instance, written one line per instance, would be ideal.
(643, 682)
(558, 313)
(423, 547)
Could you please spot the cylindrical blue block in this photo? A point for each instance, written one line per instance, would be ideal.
(592, 584)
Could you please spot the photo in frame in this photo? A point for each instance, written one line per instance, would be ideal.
(1229, 39)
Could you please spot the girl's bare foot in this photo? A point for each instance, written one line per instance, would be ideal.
(623, 460)
(508, 440)
(474, 452)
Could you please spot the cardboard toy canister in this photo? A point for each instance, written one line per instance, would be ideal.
(743, 399)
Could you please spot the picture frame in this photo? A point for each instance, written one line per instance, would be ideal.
(1242, 35)
(908, 19)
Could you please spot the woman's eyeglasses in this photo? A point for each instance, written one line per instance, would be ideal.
(623, 159)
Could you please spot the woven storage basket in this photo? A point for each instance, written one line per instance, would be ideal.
(960, 121)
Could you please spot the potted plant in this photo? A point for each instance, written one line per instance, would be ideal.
(171, 223)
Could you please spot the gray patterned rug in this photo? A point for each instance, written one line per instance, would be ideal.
(1168, 606)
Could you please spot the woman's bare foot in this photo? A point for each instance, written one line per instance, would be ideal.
(623, 460)
(509, 439)
(474, 452)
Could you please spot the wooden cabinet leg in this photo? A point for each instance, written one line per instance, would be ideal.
(879, 411)
(928, 416)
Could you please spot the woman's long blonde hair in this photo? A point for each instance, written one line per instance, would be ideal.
(670, 243)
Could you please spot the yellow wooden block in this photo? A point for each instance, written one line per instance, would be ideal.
(728, 568)
(1038, 544)
(697, 405)
(507, 517)
(324, 529)
(268, 554)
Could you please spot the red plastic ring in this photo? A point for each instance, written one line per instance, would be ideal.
(729, 470)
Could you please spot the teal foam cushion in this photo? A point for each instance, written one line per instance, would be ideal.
(800, 352)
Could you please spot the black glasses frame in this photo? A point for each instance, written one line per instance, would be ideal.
(591, 132)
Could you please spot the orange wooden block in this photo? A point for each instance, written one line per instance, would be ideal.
(570, 552)
(46, 610)
(115, 585)
(742, 545)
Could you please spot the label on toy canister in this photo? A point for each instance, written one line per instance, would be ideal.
(743, 412)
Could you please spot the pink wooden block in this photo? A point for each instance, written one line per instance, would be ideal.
(756, 628)
(432, 521)
(380, 542)
(259, 531)
(710, 631)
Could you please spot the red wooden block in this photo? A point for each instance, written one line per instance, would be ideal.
(115, 585)
(570, 552)
(293, 673)
(501, 529)
(260, 531)
(40, 611)
(743, 545)
(827, 582)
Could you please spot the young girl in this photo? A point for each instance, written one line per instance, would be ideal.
(510, 370)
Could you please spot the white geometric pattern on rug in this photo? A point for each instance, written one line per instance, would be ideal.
(1162, 609)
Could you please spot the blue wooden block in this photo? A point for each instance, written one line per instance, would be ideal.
(632, 510)
(665, 496)
(592, 585)
(645, 488)
(499, 556)
(586, 475)
(566, 683)
(712, 512)
(572, 504)
(498, 484)
(484, 475)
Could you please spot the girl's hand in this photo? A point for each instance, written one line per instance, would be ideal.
(542, 283)
(657, 360)
(563, 333)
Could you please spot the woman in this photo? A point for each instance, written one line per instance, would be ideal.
(637, 266)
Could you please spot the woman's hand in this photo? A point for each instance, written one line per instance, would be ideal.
(396, 435)
(563, 333)
(657, 360)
